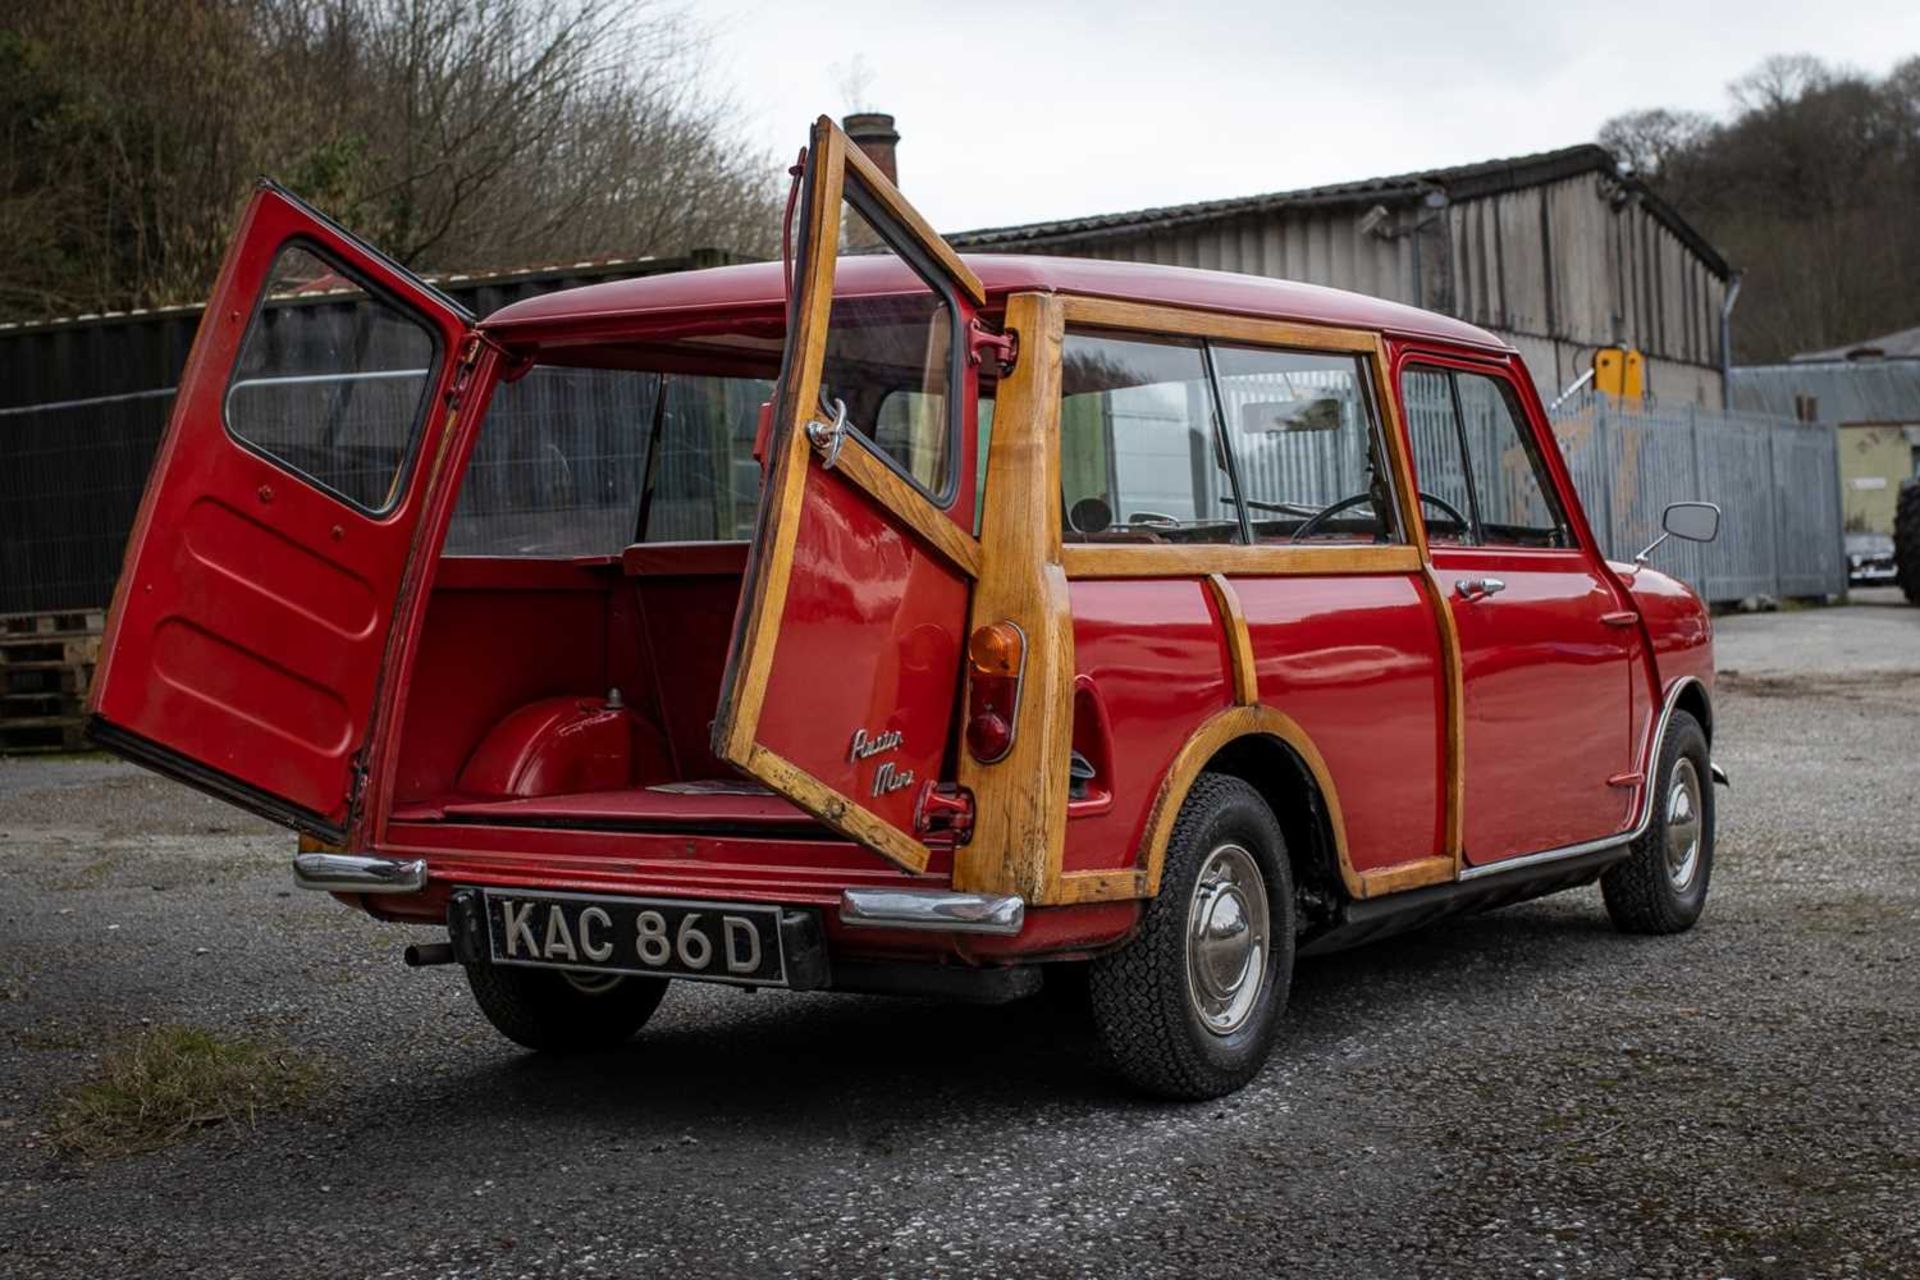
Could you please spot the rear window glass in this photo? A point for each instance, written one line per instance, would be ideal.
(332, 381)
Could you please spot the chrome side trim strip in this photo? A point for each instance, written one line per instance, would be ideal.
(354, 873)
(1548, 855)
(1651, 769)
(938, 909)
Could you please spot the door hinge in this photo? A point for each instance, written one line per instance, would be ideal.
(981, 339)
(357, 786)
(943, 807)
(469, 360)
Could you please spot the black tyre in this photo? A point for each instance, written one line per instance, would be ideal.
(1906, 542)
(1662, 886)
(556, 1012)
(1189, 1009)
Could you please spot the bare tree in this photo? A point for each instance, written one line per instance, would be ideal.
(1809, 184)
(457, 134)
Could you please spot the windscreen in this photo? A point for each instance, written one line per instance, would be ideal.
(577, 461)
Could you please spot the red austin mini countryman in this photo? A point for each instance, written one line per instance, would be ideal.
(897, 621)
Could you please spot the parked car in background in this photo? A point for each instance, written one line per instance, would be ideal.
(904, 622)
(1870, 560)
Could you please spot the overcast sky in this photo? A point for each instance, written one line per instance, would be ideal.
(1013, 112)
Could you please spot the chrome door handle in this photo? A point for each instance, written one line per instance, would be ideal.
(1478, 588)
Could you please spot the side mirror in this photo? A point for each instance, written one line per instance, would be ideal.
(1694, 521)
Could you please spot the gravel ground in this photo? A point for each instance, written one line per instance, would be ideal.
(1520, 1093)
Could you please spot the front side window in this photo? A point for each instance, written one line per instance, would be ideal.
(1510, 482)
(332, 381)
(1140, 456)
(1304, 435)
(1482, 479)
(1439, 458)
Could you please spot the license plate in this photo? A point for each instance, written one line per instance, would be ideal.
(665, 937)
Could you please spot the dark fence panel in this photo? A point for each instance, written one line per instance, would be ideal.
(84, 402)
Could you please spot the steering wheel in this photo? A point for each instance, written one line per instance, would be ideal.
(1324, 514)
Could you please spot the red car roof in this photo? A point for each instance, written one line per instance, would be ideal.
(757, 287)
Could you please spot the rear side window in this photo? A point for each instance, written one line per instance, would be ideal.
(332, 381)
(1140, 454)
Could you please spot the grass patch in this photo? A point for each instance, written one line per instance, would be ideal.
(171, 1082)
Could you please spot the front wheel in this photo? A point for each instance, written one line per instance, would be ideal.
(1189, 1009)
(554, 1011)
(1662, 886)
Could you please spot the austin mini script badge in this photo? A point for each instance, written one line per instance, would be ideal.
(888, 777)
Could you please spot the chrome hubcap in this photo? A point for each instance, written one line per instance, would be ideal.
(591, 984)
(1683, 824)
(1227, 939)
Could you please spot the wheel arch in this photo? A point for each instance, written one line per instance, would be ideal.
(1268, 750)
(1692, 697)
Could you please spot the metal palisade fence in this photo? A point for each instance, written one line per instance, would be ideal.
(1775, 480)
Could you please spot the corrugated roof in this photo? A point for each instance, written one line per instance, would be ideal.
(1458, 182)
(1842, 390)
(1905, 343)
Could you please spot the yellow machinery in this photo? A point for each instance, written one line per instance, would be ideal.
(1620, 372)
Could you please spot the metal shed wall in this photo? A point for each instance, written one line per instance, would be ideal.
(1557, 268)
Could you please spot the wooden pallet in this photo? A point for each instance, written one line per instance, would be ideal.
(46, 666)
(35, 734)
(62, 622)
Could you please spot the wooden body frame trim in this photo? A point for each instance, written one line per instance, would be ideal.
(1019, 827)
(1219, 563)
(1233, 622)
(737, 722)
(1019, 801)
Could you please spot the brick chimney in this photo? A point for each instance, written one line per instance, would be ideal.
(873, 133)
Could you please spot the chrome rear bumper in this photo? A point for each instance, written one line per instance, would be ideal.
(940, 909)
(355, 873)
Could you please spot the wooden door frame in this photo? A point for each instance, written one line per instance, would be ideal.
(833, 163)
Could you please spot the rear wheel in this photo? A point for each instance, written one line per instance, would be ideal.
(1662, 886)
(1190, 1008)
(554, 1011)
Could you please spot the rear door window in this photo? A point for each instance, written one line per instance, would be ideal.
(332, 381)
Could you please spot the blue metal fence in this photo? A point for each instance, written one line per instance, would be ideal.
(1775, 480)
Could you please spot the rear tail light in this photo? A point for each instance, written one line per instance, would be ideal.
(996, 661)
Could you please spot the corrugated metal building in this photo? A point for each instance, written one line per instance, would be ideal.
(1870, 391)
(1559, 253)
